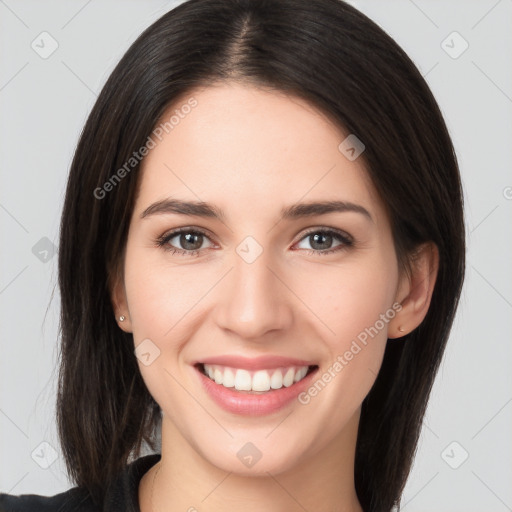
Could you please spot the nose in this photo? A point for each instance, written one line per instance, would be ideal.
(254, 299)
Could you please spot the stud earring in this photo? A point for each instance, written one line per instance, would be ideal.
(401, 329)
(122, 318)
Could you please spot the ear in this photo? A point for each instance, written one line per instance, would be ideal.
(119, 301)
(415, 290)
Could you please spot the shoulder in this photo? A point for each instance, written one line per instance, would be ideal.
(73, 500)
(121, 494)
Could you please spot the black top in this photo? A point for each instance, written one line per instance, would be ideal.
(121, 496)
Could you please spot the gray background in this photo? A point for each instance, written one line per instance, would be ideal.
(44, 103)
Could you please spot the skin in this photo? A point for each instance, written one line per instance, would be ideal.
(251, 152)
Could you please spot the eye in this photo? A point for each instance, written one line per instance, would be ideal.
(190, 240)
(322, 239)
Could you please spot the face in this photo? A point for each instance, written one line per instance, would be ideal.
(256, 287)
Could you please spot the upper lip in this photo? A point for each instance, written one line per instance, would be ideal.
(254, 363)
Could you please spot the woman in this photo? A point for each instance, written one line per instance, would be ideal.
(233, 140)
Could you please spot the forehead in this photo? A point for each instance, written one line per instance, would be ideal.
(242, 146)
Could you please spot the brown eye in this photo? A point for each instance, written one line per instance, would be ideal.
(184, 241)
(321, 241)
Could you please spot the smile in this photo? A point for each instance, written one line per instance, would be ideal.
(259, 381)
(259, 388)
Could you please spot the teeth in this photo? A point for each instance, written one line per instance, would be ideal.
(260, 380)
(276, 381)
(301, 373)
(228, 379)
(242, 380)
(218, 376)
(288, 378)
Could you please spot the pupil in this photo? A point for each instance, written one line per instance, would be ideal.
(187, 241)
(318, 236)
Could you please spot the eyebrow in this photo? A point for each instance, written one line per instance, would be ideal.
(294, 211)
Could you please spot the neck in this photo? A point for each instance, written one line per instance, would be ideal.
(186, 481)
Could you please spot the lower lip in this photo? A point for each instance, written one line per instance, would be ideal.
(249, 404)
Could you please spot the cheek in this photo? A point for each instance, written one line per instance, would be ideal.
(348, 299)
(354, 303)
(164, 306)
(161, 296)
(355, 307)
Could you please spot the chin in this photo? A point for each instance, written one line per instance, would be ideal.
(254, 458)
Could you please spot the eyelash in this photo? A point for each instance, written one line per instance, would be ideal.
(163, 241)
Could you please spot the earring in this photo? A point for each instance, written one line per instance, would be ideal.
(122, 318)
(401, 329)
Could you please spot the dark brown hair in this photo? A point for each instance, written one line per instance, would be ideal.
(333, 56)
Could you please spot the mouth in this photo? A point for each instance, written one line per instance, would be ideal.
(255, 382)
(254, 386)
